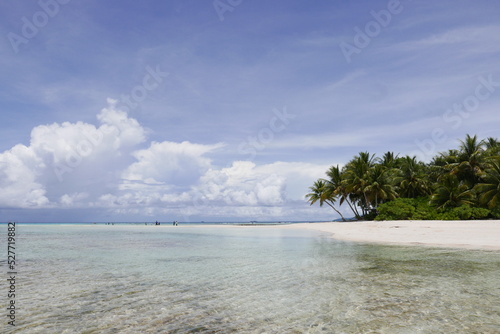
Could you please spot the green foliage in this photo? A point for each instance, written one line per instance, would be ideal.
(407, 209)
(399, 209)
(458, 184)
(448, 215)
(424, 210)
(480, 213)
(420, 209)
(495, 213)
(451, 192)
(464, 212)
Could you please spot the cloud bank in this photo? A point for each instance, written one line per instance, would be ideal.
(113, 167)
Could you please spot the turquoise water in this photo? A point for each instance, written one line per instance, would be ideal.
(196, 279)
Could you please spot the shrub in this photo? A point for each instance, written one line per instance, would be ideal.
(480, 213)
(406, 209)
(464, 212)
(420, 209)
(423, 210)
(495, 213)
(398, 209)
(448, 215)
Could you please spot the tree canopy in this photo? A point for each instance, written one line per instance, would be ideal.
(462, 183)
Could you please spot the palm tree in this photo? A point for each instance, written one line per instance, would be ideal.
(452, 193)
(471, 161)
(446, 158)
(465, 176)
(389, 160)
(491, 142)
(489, 189)
(322, 193)
(492, 146)
(337, 186)
(412, 179)
(379, 186)
(441, 165)
(355, 179)
(366, 159)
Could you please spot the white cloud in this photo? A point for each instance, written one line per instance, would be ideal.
(69, 149)
(243, 189)
(242, 184)
(127, 130)
(162, 175)
(299, 176)
(80, 165)
(246, 184)
(73, 199)
(18, 179)
(170, 163)
(64, 158)
(83, 166)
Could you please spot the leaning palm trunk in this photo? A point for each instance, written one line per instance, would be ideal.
(337, 211)
(353, 207)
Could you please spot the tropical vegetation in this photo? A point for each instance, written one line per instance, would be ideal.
(462, 183)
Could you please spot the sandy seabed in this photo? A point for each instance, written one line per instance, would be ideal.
(476, 234)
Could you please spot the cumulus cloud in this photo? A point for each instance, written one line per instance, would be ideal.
(107, 167)
(126, 131)
(163, 174)
(73, 199)
(241, 184)
(245, 183)
(299, 176)
(170, 163)
(243, 189)
(63, 159)
(18, 179)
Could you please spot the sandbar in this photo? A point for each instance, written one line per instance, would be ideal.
(472, 234)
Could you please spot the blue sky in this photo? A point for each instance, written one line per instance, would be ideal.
(228, 110)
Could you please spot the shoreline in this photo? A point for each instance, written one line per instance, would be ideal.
(465, 234)
(461, 234)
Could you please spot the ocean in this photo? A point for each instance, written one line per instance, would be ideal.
(125, 278)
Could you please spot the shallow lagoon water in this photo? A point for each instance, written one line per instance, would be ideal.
(148, 279)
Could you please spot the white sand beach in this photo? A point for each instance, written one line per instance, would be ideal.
(481, 234)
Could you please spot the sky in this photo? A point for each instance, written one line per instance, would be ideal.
(228, 110)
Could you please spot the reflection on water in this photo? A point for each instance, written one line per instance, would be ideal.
(131, 279)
